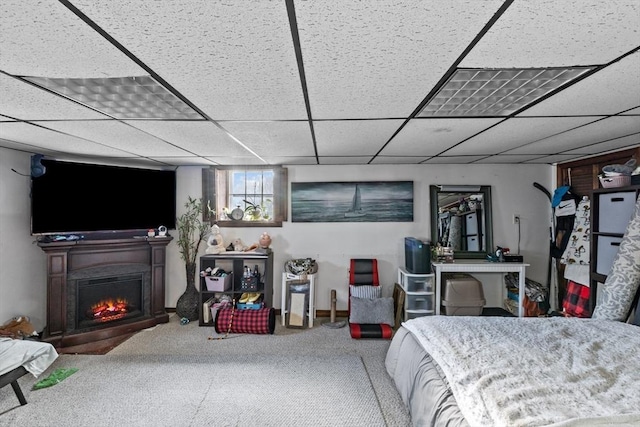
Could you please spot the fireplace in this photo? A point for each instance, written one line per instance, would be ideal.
(103, 297)
(100, 289)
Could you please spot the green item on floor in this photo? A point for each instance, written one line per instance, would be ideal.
(56, 376)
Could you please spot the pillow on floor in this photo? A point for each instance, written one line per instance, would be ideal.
(365, 291)
(372, 310)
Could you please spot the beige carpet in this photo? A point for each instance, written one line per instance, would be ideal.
(175, 375)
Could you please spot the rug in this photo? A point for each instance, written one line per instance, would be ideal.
(213, 390)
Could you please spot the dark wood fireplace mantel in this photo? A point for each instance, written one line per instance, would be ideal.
(67, 257)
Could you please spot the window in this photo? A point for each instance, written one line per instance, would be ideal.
(245, 196)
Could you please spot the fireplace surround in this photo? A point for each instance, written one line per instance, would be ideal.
(124, 274)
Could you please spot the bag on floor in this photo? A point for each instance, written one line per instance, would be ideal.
(249, 321)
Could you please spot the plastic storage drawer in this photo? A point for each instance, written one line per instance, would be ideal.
(607, 249)
(419, 284)
(615, 210)
(419, 302)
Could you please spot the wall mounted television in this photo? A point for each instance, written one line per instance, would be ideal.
(76, 198)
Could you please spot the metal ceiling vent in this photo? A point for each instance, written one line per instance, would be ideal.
(139, 97)
(496, 92)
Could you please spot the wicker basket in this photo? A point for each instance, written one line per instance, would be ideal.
(615, 181)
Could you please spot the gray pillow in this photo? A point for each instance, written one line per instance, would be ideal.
(368, 310)
(366, 291)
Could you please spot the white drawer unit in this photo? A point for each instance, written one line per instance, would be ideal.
(615, 210)
(419, 294)
(471, 223)
(607, 248)
(611, 211)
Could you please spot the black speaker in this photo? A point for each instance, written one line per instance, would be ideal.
(37, 168)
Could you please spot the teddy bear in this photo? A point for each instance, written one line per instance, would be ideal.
(215, 242)
(19, 327)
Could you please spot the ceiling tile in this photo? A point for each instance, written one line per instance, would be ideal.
(46, 39)
(36, 137)
(603, 130)
(508, 158)
(611, 145)
(347, 160)
(234, 60)
(353, 137)
(117, 135)
(27, 102)
(558, 33)
(453, 159)
(397, 160)
(196, 138)
(514, 133)
(273, 138)
(429, 137)
(380, 59)
(609, 91)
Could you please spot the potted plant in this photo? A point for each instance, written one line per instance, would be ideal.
(192, 231)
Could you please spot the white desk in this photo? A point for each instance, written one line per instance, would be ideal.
(479, 266)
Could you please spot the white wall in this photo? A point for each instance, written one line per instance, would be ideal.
(22, 263)
(333, 244)
(23, 283)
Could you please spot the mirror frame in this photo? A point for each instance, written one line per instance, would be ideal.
(485, 190)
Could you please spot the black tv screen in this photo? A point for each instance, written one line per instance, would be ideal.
(81, 198)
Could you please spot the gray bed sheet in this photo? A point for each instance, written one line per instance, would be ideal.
(421, 383)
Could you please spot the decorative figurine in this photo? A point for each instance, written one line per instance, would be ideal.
(215, 242)
(265, 240)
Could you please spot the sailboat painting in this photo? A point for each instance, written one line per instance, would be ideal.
(356, 205)
(368, 201)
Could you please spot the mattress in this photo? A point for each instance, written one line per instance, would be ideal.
(421, 383)
(483, 371)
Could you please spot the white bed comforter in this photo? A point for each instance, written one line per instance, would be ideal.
(537, 371)
(33, 355)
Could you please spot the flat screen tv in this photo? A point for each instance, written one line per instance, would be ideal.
(75, 198)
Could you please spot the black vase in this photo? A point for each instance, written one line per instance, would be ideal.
(187, 305)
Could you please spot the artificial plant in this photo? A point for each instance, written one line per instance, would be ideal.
(192, 231)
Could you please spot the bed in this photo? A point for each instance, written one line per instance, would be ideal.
(19, 357)
(503, 371)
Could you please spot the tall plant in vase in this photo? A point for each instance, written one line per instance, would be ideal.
(191, 233)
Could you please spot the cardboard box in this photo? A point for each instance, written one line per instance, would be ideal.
(218, 284)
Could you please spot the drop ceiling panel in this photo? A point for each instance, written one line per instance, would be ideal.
(514, 133)
(453, 159)
(635, 111)
(353, 137)
(603, 130)
(196, 138)
(346, 160)
(118, 135)
(273, 138)
(380, 59)
(235, 160)
(558, 33)
(48, 139)
(611, 90)
(549, 160)
(397, 160)
(290, 160)
(45, 39)
(183, 161)
(429, 137)
(509, 159)
(613, 144)
(26, 102)
(234, 60)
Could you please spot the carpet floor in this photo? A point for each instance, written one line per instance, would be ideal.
(180, 375)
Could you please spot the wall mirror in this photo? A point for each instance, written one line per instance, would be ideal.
(461, 219)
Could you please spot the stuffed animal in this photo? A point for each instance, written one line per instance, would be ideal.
(19, 328)
(215, 242)
(238, 246)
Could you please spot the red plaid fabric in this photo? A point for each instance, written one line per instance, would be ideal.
(260, 321)
(576, 301)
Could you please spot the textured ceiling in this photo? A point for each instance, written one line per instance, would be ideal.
(297, 82)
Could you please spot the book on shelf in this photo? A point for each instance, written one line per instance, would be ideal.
(206, 310)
